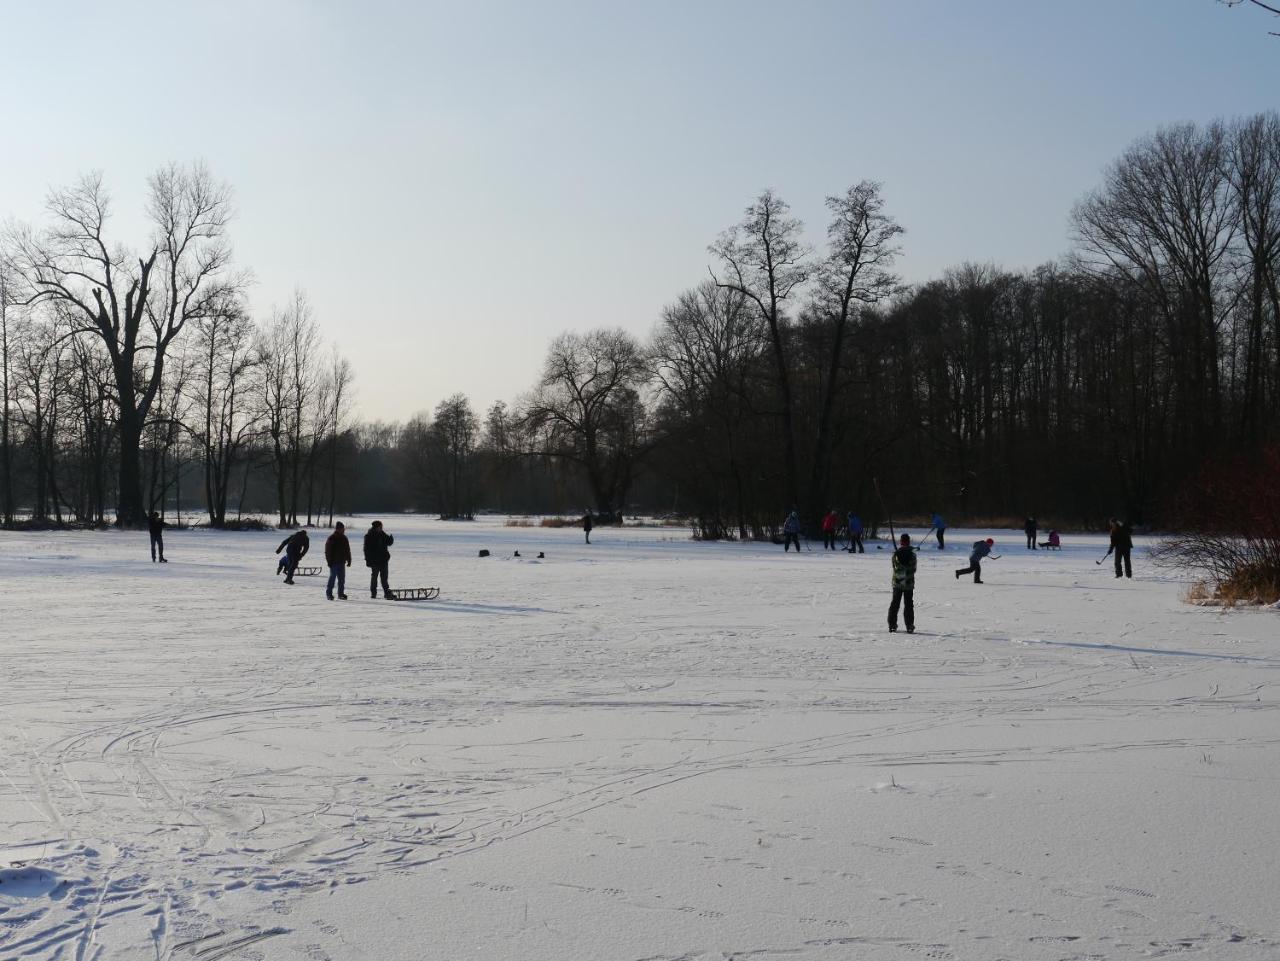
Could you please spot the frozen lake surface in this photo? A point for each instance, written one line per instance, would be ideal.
(645, 748)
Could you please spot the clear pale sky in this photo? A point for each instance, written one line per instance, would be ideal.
(454, 184)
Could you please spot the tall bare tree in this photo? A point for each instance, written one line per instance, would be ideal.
(137, 305)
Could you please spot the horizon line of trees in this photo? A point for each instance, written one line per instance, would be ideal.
(792, 377)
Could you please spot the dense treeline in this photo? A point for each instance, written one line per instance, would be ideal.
(793, 377)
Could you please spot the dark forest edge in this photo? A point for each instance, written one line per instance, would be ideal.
(1109, 383)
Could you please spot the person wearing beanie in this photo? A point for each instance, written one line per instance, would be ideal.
(337, 554)
(904, 585)
(980, 550)
(377, 557)
(791, 532)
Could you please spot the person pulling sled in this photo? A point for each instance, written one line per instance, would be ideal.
(295, 548)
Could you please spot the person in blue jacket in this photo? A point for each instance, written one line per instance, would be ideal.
(855, 534)
(940, 526)
(791, 532)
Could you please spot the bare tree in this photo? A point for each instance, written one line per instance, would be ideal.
(765, 260)
(8, 298)
(1269, 8)
(289, 349)
(138, 306)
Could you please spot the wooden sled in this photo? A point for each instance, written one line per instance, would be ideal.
(414, 593)
(306, 571)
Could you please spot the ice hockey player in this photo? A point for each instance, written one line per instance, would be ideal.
(1031, 528)
(587, 525)
(791, 532)
(295, 548)
(855, 534)
(155, 527)
(980, 550)
(830, 523)
(904, 585)
(940, 528)
(1122, 544)
(377, 558)
(337, 554)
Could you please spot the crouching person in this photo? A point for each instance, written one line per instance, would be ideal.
(904, 585)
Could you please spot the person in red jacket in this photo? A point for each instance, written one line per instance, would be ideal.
(830, 524)
(337, 554)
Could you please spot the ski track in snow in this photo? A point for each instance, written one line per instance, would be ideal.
(645, 748)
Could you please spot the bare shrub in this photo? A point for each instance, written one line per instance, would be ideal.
(1230, 521)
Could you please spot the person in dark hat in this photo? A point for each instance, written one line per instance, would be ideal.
(904, 585)
(295, 548)
(980, 550)
(155, 527)
(337, 554)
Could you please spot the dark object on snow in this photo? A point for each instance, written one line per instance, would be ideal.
(483, 552)
(541, 556)
(412, 594)
(516, 554)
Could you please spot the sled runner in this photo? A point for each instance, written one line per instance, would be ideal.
(414, 593)
(306, 571)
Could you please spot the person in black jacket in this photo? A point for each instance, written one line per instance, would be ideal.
(155, 527)
(1030, 528)
(377, 557)
(295, 548)
(337, 554)
(587, 525)
(1122, 545)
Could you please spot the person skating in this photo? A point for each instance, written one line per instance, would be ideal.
(587, 525)
(337, 554)
(904, 585)
(295, 548)
(830, 523)
(791, 532)
(855, 534)
(155, 527)
(1030, 528)
(980, 550)
(940, 528)
(377, 558)
(1122, 545)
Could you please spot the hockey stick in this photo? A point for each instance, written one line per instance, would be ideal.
(893, 536)
(1105, 556)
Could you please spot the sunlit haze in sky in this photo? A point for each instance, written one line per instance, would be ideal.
(455, 184)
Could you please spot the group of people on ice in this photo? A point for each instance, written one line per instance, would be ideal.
(846, 533)
(337, 556)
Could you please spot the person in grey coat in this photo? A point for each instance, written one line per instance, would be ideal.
(980, 550)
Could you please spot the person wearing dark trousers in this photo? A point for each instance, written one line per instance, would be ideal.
(904, 585)
(830, 523)
(980, 550)
(1122, 545)
(337, 554)
(1030, 528)
(377, 557)
(587, 525)
(940, 528)
(855, 534)
(791, 532)
(155, 527)
(295, 548)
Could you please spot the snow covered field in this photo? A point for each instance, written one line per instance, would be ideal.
(648, 748)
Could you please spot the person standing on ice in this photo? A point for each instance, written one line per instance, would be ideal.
(587, 525)
(295, 548)
(980, 550)
(1122, 545)
(791, 532)
(904, 585)
(155, 527)
(829, 525)
(1030, 528)
(337, 554)
(940, 528)
(855, 534)
(377, 558)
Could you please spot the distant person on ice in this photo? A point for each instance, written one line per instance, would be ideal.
(855, 534)
(155, 527)
(904, 585)
(337, 554)
(587, 525)
(980, 550)
(377, 557)
(1030, 528)
(791, 532)
(940, 526)
(295, 548)
(1122, 544)
(1054, 542)
(829, 525)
